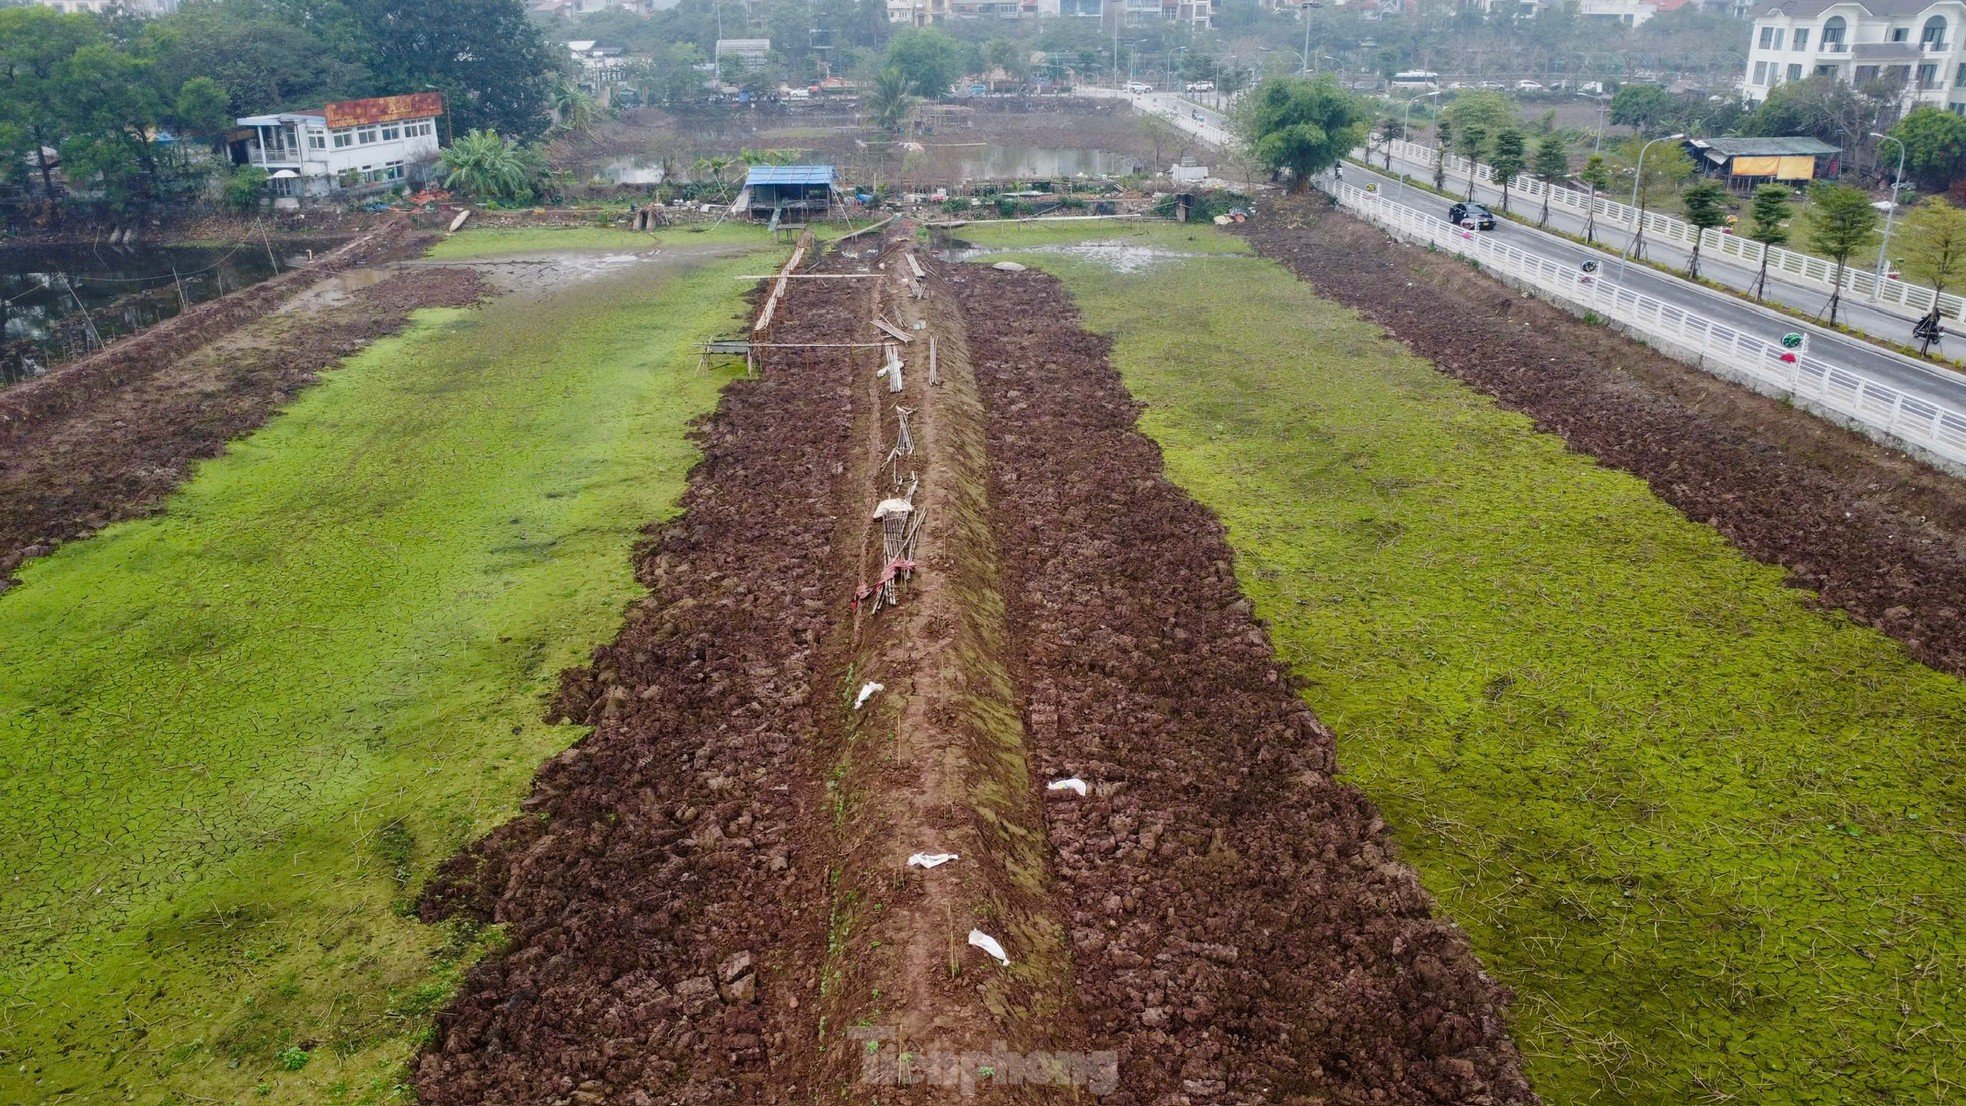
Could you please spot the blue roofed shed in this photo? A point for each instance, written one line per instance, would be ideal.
(792, 192)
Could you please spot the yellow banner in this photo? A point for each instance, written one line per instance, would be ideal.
(1756, 166)
(1797, 168)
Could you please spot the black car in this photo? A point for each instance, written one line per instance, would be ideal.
(1462, 213)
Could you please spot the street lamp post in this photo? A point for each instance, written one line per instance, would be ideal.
(1890, 215)
(1406, 119)
(1638, 226)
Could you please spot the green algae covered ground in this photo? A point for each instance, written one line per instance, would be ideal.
(1712, 837)
(238, 735)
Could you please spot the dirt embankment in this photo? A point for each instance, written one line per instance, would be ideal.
(1880, 536)
(1242, 930)
(109, 436)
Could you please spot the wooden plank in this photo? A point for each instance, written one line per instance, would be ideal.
(778, 290)
(916, 266)
(894, 331)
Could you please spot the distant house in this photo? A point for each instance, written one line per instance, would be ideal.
(347, 147)
(1746, 162)
(749, 53)
(792, 193)
(598, 64)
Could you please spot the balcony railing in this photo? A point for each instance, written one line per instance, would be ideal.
(1833, 46)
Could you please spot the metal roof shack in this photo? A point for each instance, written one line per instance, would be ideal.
(787, 193)
(1746, 162)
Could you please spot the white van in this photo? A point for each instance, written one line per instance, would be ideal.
(1138, 87)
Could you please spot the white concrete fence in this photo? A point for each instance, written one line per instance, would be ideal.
(1915, 298)
(1877, 409)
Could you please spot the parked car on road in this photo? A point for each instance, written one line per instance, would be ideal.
(1463, 213)
(1201, 86)
(1139, 87)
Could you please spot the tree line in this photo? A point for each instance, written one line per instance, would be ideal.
(133, 110)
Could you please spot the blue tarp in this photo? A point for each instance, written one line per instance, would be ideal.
(789, 174)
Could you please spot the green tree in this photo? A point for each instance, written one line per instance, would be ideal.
(1768, 225)
(36, 46)
(1445, 129)
(1302, 125)
(1509, 158)
(1935, 146)
(888, 99)
(1471, 142)
(244, 187)
(1706, 208)
(1658, 172)
(1935, 250)
(1639, 106)
(489, 166)
(930, 58)
(573, 109)
(266, 61)
(1550, 166)
(1839, 223)
(1597, 177)
(485, 56)
(1493, 111)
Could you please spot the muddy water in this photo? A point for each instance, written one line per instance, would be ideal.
(60, 302)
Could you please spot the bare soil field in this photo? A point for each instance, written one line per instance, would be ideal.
(707, 900)
(1877, 534)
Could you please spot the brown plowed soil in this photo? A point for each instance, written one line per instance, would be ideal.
(694, 895)
(1242, 929)
(1879, 535)
(110, 436)
(665, 890)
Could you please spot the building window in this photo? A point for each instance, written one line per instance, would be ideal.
(1761, 72)
(343, 139)
(391, 132)
(365, 135)
(1833, 29)
(392, 171)
(1801, 38)
(1900, 34)
(1959, 79)
(1795, 72)
(1767, 38)
(1933, 37)
(1928, 76)
(1826, 71)
(316, 140)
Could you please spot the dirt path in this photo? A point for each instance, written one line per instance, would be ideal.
(1880, 536)
(110, 436)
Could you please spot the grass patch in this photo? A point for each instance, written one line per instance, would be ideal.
(1710, 836)
(238, 735)
(474, 242)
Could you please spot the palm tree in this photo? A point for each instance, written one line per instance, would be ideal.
(573, 110)
(714, 167)
(889, 100)
(489, 166)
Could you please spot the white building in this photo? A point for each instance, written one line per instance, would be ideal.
(351, 146)
(1914, 43)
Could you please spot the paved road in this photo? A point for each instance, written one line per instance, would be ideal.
(1913, 376)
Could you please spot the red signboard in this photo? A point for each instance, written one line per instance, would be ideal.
(384, 109)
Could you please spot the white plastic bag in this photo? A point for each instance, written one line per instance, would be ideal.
(990, 945)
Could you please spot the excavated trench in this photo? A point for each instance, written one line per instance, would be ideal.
(862, 644)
